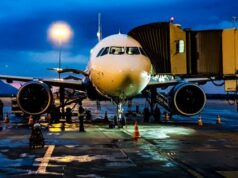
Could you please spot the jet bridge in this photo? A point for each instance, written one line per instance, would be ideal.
(164, 43)
(188, 53)
(230, 58)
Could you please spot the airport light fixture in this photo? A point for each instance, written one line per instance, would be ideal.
(171, 20)
(60, 33)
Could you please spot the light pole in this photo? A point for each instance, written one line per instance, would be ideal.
(60, 33)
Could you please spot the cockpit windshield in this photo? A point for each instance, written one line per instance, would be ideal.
(117, 50)
(103, 51)
(132, 50)
(143, 52)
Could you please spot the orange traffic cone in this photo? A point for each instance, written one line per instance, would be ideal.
(6, 119)
(218, 120)
(200, 123)
(136, 133)
(30, 121)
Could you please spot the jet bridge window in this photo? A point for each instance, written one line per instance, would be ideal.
(132, 50)
(115, 50)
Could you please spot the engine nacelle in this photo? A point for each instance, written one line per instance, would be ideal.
(34, 98)
(187, 99)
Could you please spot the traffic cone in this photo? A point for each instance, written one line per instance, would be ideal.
(200, 121)
(136, 133)
(6, 119)
(30, 121)
(167, 117)
(218, 120)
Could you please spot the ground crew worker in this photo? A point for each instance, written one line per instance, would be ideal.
(36, 139)
(157, 114)
(81, 114)
(88, 115)
(68, 115)
(146, 114)
(105, 117)
(52, 114)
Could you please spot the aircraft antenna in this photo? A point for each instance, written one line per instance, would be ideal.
(99, 33)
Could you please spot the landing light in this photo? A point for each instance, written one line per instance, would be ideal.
(91, 51)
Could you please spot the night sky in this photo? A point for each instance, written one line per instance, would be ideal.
(25, 49)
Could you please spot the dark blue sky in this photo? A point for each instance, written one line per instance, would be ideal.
(25, 49)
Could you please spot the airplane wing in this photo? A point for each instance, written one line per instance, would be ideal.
(75, 71)
(54, 82)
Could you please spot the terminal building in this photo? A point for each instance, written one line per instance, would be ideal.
(189, 53)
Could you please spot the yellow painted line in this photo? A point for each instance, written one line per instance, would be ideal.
(45, 160)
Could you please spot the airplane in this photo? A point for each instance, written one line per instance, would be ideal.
(118, 69)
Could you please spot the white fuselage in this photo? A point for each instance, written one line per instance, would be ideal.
(119, 67)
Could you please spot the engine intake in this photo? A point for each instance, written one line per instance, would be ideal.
(188, 99)
(34, 98)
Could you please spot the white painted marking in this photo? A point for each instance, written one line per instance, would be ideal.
(45, 160)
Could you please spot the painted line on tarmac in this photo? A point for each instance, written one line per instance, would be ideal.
(45, 160)
(127, 158)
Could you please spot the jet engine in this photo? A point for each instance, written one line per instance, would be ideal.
(187, 99)
(34, 98)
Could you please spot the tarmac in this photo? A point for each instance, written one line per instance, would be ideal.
(175, 148)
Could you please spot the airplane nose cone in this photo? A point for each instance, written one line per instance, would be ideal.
(131, 83)
(122, 78)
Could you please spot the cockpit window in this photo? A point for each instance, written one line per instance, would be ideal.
(143, 52)
(103, 51)
(117, 50)
(99, 53)
(132, 50)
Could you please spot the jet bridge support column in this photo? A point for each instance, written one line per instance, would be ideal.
(62, 98)
(153, 100)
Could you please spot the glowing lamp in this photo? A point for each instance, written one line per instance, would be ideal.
(60, 32)
(171, 20)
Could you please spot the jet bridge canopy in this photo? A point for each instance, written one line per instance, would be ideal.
(175, 51)
(164, 44)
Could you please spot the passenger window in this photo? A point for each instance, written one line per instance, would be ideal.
(117, 50)
(132, 51)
